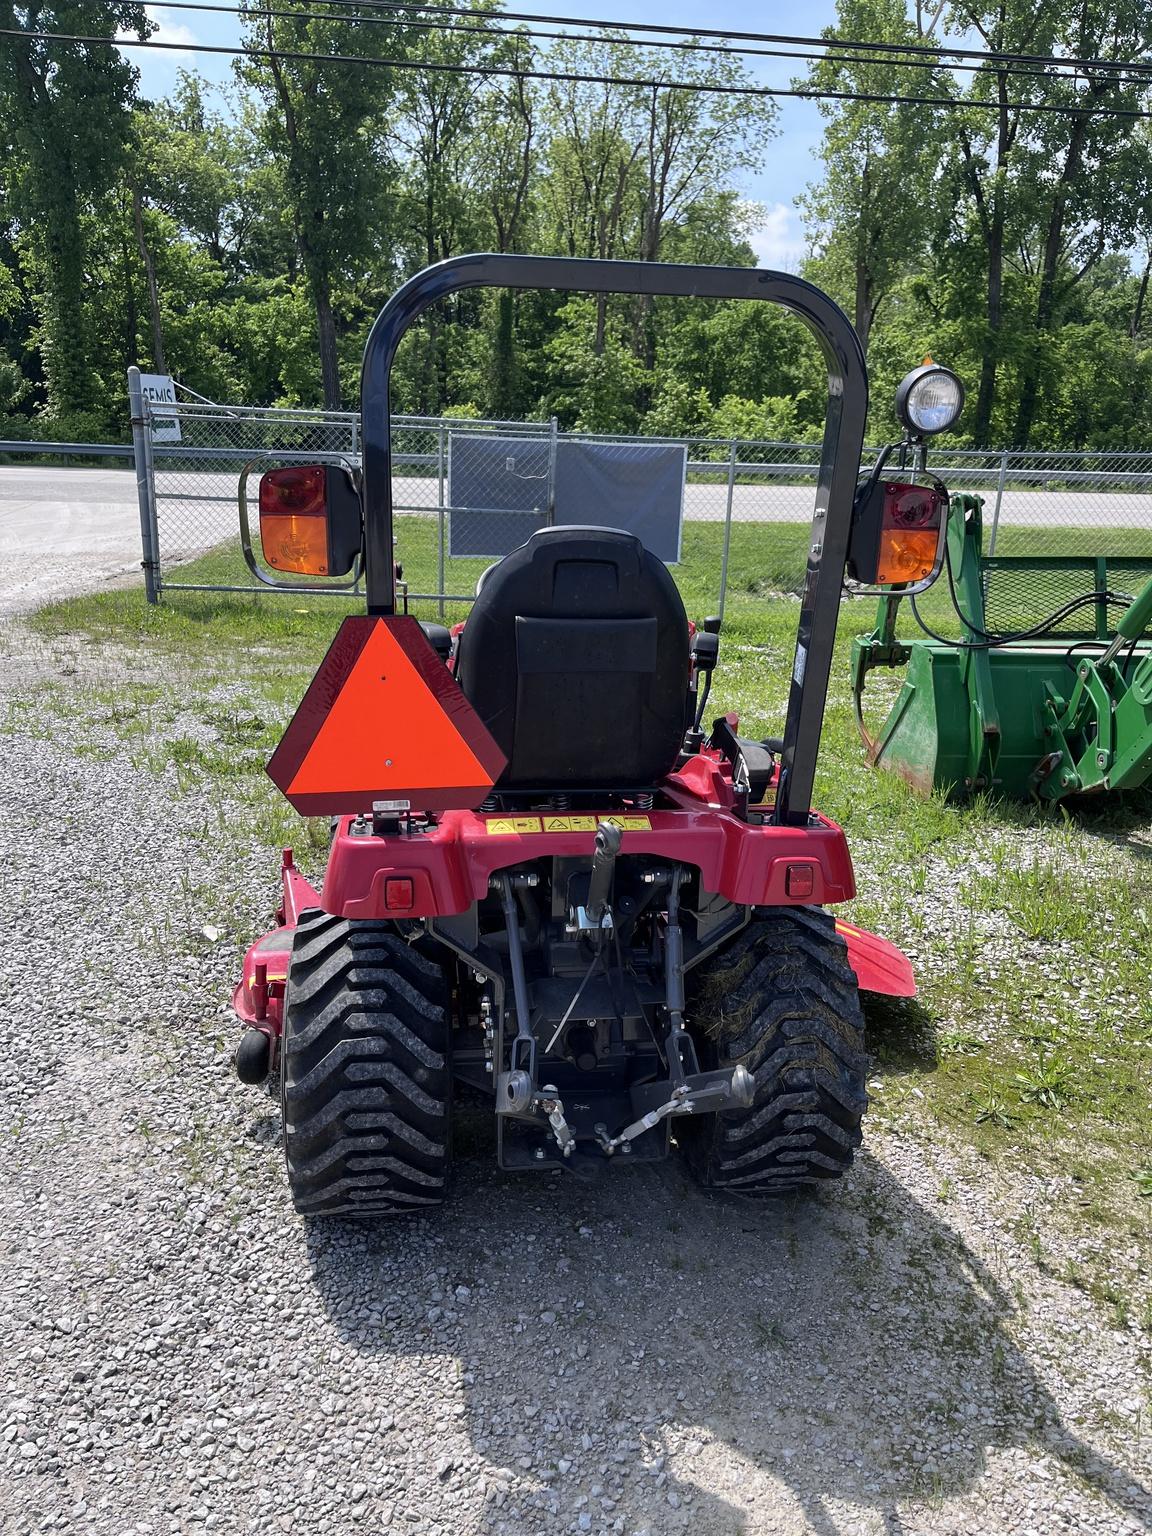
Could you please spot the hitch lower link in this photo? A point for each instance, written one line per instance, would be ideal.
(697, 1093)
(732, 1088)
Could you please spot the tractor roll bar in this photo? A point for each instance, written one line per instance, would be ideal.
(839, 458)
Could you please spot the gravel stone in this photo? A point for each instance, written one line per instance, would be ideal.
(182, 1353)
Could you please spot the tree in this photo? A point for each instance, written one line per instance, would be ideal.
(1090, 171)
(872, 212)
(321, 124)
(439, 136)
(65, 112)
(1041, 186)
(686, 136)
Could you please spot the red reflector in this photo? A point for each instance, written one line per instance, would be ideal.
(912, 506)
(296, 492)
(799, 879)
(398, 895)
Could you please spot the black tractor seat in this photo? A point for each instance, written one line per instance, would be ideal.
(575, 656)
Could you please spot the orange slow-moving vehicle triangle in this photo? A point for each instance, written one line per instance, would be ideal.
(384, 719)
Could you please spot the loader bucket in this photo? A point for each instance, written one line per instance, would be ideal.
(1069, 714)
(965, 722)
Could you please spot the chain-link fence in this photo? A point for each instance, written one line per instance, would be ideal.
(465, 491)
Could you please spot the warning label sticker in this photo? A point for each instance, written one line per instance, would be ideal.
(519, 826)
(511, 826)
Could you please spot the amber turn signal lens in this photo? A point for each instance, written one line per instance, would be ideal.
(906, 555)
(294, 519)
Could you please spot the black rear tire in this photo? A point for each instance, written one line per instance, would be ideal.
(782, 1000)
(364, 1071)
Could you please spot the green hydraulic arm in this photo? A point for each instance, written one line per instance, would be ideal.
(1099, 737)
(1022, 717)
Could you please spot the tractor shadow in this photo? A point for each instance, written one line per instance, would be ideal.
(669, 1360)
(902, 1035)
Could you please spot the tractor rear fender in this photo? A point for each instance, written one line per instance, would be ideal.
(879, 965)
(259, 995)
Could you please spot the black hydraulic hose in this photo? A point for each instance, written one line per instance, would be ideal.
(877, 469)
(703, 704)
(990, 641)
(993, 642)
(1083, 645)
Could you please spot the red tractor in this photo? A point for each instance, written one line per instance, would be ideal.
(549, 882)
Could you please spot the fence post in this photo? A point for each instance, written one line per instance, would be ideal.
(999, 497)
(440, 515)
(142, 461)
(552, 443)
(727, 524)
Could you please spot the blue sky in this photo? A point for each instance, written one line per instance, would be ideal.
(790, 163)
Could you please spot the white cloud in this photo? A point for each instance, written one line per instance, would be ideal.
(168, 30)
(778, 238)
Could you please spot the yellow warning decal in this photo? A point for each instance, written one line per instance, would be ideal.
(510, 826)
(518, 826)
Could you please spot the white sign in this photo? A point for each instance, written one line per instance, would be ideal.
(159, 389)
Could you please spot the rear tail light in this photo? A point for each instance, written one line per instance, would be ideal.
(910, 531)
(294, 519)
(399, 895)
(897, 534)
(309, 520)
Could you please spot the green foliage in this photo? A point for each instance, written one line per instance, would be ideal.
(597, 376)
(245, 239)
(64, 116)
(774, 419)
(872, 212)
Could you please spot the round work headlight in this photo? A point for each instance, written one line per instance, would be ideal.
(929, 400)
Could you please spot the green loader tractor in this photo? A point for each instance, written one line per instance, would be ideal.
(1013, 699)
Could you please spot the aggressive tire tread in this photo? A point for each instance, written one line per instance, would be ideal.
(782, 1000)
(364, 1071)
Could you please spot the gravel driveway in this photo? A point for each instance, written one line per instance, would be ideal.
(182, 1353)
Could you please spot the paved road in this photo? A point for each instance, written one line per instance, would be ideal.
(66, 529)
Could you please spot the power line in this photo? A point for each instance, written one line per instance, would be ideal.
(565, 77)
(1059, 71)
(935, 50)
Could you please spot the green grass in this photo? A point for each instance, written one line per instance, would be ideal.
(1031, 928)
